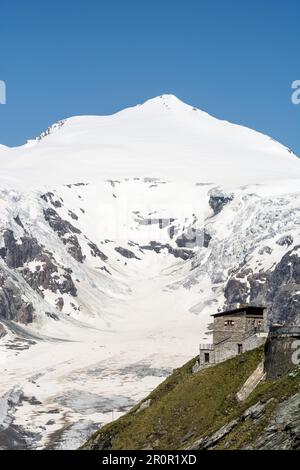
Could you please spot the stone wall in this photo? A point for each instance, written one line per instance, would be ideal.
(229, 349)
(222, 332)
(254, 341)
(281, 352)
(242, 324)
(202, 362)
(226, 350)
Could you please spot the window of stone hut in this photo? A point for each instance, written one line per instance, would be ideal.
(229, 323)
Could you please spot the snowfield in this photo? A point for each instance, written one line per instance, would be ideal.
(119, 237)
(162, 138)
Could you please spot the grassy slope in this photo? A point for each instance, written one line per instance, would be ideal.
(188, 406)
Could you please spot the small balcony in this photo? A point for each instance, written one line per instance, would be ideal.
(206, 347)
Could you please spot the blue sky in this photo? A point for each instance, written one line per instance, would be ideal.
(234, 59)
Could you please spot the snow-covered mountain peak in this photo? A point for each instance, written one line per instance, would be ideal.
(171, 106)
(162, 138)
(168, 101)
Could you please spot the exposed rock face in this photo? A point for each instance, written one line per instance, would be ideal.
(12, 304)
(46, 276)
(279, 289)
(16, 254)
(74, 248)
(284, 288)
(100, 444)
(2, 331)
(265, 250)
(286, 240)
(194, 238)
(182, 253)
(18, 221)
(144, 405)
(28, 258)
(60, 303)
(50, 198)
(206, 238)
(66, 232)
(126, 253)
(236, 292)
(73, 215)
(283, 431)
(209, 443)
(60, 226)
(218, 200)
(96, 252)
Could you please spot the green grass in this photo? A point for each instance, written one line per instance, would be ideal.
(187, 406)
(183, 408)
(269, 392)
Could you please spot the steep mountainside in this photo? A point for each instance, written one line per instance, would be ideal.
(119, 237)
(201, 412)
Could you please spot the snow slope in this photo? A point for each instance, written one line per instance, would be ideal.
(119, 237)
(162, 138)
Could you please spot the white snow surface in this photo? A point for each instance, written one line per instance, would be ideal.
(133, 319)
(163, 137)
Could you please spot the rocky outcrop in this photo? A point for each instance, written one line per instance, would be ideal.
(278, 290)
(286, 240)
(66, 232)
(50, 198)
(73, 215)
(45, 276)
(13, 306)
(60, 226)
(209, 443)
(283, 431)
(218, 199)
(126, 253)
(236, 292)
(2, 331)
(194, 238)
(182, 253)
(96, 252)
(74, 248)
(16, 254)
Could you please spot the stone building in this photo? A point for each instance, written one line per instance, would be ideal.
(234, 332)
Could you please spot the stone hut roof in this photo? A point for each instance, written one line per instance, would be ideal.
(246, 310)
